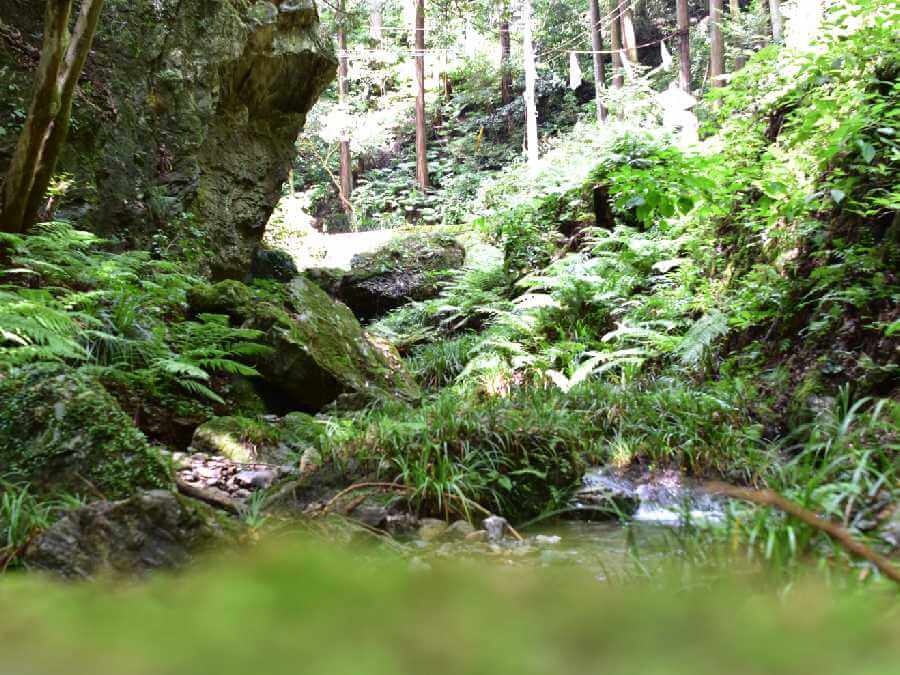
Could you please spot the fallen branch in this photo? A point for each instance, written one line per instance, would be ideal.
(836, 532)
(207, 496)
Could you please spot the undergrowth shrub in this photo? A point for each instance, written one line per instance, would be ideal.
(66, 299)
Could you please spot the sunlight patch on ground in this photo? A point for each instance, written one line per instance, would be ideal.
(291, 229)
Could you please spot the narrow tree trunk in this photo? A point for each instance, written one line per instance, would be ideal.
(628, 36)
(685, 45)
(597, 46)
(734, 7)
(716, 45)
(777, 20)
(80, 44)
(505, 65)
(21, 174)
(615, 40)
(346, 179)
(376, 21)
(421, 143)
(531, 131)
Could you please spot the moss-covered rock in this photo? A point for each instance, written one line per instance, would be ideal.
(151, 530)
(61, 431)
(258, 440)
(406, 269)
(185, 124)
(319, 350)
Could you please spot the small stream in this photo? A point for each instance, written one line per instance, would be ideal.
(608, 548)
(668, 503)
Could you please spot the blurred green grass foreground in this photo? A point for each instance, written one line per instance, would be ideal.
(304, 609)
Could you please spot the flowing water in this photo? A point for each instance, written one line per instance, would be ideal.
(670, 505)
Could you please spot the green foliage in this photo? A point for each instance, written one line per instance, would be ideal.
(843, 466)
(68, 300)
(517, 456)
(22, 516)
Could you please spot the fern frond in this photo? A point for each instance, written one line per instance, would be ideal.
(700, 337)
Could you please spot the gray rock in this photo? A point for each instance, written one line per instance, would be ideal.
(61, 431)
(151, 530)
(258, 479)
(274, 264)
(606, 496)
(495, 527)
(319, 351)
(373, 515)
(403, 270)
(458, 531)
(430, 529)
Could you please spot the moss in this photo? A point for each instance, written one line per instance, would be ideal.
(61, 431)
(411, 268)
(241, 439)
(419, 253)
(332, 334)
(257, 439)
(226, 297)
(300, 429)
(320, 351)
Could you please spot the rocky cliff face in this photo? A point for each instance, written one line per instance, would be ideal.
(185, 120)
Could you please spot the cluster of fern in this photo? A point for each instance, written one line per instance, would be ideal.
(65, 298)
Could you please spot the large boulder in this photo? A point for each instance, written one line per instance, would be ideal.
(184, 128)
(61, 431)
(405, 269)
(319, 350)
(151, 530)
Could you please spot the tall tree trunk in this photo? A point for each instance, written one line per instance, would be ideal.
(628, 36)
(597, 46)
(421, 142)
(80, 44)
(531, 131)
(346, 174)
(684, 79)
(505, 65)
(734, 7)
(716, 45)
(615, 40)
(777, 20)
(23, 167)
(376, 21)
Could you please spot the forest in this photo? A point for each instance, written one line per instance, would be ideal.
(388, 336)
